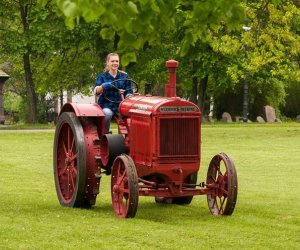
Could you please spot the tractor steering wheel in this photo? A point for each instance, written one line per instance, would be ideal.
(134, 88)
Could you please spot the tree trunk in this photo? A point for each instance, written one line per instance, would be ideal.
(31, 117)
(69, 96)
(199, 92)
(194, 90)
(116, 42)
(202, 93)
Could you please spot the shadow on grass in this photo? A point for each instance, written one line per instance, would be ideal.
(150, 211)
(171, 213)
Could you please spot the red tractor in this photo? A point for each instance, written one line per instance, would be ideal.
(155, 153)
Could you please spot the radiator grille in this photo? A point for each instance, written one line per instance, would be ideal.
(179, 137)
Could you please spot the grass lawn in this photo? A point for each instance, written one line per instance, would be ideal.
(267, 214)
(20, 126)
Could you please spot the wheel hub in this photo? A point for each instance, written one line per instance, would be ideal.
(116, 189)
(68, 160)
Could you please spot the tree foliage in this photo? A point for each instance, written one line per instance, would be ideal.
(56, 57)
(274, 48)
(139, 21)
(206, 37)
(272, 60)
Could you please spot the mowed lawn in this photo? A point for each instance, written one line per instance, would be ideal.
(267, 214)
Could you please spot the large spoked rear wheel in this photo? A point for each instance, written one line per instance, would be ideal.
(124, 187)
(69, 161)
(222, 180)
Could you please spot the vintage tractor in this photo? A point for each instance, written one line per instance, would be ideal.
(155, 153)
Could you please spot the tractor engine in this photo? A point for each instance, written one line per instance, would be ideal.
(163, 133)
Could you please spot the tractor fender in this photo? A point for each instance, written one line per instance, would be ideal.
(82, 109)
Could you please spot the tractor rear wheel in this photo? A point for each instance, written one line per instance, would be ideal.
(69, 161)
(222, 180)
(76, 164)
(124, 187)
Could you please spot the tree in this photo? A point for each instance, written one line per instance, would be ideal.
(273, 46)
(273, 56)
(139, 21)
(52, 57)
(19, 38)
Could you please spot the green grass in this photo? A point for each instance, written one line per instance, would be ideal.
(21, 126)
(267, 215)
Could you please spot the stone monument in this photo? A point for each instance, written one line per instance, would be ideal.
(226, 117)
(259, 119)
(270, 114)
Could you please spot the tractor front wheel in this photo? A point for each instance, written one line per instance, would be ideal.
(124, 187)
(222, 181)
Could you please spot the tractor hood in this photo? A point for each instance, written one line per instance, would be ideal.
(153, 105)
